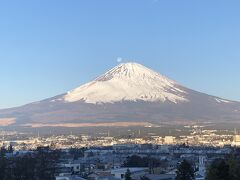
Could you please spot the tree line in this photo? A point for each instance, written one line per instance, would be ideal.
(150, 162)
(227, 168)
(39, 165)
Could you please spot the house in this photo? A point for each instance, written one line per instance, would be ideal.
(120, 173)
(160, 176)
(93, 176)
(75, 167)
(199, 177)
(68, 176)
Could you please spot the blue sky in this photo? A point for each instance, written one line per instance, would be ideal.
(48, 47)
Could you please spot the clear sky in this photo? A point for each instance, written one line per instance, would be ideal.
(48, 47)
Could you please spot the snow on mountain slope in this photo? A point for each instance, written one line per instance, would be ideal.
(128, 82)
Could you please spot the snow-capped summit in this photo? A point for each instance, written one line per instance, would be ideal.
(130, 70)
(128, 82)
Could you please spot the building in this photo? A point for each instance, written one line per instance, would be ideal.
(120, 173)
(169, 140)
(200, 174)
(236, 140)
(74, 166)
(68, 176)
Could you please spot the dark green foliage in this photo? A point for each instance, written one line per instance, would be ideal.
(21, 168)
(3, 163)
(185, 171)
(46, 162)
(10, 149)
(39, 165)
(137, 161)
(90, 154)
(224, 170)
(153, 163)
(82, 168)
(100, 166)
(128, 175)
(77, 153)
(3, 151)
(234, 167)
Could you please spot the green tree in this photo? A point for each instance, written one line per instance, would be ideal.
(46, 164)
(152, 164)
(219, 170)
(185, 171)
(24, 167)
(135, 161)
(77, 153)
(3, 163)
(128, 175)
(90, 154)
(40, 165)
(10, 149)
(234, 167)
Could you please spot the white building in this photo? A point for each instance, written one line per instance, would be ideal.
(200, 174)
(236, 140)
(75, 167)
(120, 173)
(169, 140)
(67, 176)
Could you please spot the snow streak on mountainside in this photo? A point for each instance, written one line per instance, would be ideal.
(128, 82)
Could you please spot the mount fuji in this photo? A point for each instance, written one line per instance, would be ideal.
(130, 94)
(128, 82)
